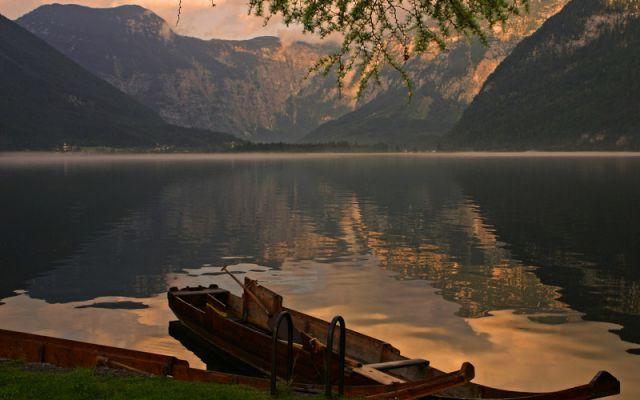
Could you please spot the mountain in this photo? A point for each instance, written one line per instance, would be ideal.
(252, 88)
(573, 85)
(445, 85)
(256, 88)
(48, 100)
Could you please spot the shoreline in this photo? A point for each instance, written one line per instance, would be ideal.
(43, 156)
(24, 380)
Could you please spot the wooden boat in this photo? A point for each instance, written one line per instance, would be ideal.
(74, 354)
(242, 327)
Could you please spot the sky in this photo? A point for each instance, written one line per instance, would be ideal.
(228, 20)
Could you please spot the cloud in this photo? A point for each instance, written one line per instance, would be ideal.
(228, 20)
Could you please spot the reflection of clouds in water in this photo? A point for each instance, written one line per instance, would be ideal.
(557, 355)
(408, 314)
(375, 304)
(280, 217)
(213, 275)
(338, 243)
(141, 329)
(507, 348)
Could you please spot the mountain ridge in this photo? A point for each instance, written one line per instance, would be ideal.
(445, 84)
(588, 99)
(252, 88)
(49, 101)
(257, 89)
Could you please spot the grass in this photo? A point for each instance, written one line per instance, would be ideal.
(18, 382)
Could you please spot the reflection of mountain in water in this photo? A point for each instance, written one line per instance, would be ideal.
(472, 227)
(577, 220)
(423, 228)
(176, 215)
(47, 212)
(198, 214)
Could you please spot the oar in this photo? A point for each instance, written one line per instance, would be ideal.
(244, 288)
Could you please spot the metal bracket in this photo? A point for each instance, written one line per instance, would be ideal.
(274, 353)
(329, 356)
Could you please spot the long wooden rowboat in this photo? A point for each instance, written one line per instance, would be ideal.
(74, 354)
(242, 327)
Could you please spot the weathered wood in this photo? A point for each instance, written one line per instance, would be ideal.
(420, 389)
(376, 375)
(249, 342)
(365, 348)
(232, 337)
(199, 292)
(602, 385)
(70, 353)
(260, 304)
(383, 366)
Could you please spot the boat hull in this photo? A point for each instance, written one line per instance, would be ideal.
(237, 338)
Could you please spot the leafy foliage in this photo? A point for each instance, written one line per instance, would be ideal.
(386, 32)
(444, 86)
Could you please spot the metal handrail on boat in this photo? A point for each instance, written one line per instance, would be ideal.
(329, 356)
(274, 352)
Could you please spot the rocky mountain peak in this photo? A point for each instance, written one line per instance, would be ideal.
(49, 102)
(78, 20)
(252, 88)
(571, 85)
(445, 82)
(256, 88)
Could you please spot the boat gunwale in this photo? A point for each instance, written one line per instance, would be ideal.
(470, 387)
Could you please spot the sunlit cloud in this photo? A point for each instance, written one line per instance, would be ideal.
(229, 19)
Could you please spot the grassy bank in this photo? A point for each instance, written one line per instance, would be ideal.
(24, 381)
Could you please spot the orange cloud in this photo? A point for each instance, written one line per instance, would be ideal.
(228, 20)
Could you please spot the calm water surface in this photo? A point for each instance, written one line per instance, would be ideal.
(526, 266)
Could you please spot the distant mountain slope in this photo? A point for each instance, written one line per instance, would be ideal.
(47, 100)
(574, 84)
(445, 84)
(253, 88)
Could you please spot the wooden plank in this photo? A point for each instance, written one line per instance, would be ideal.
(376, 375)
(198, 292)
(362, 347)
(602, 385)
(398, 364)
(254, 311)
(420, 389)
(216, 304)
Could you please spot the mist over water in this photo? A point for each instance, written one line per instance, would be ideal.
(525, 265)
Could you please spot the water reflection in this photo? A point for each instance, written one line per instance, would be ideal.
(507, 349)
(576, 219)
(144, 329)
(411, 249)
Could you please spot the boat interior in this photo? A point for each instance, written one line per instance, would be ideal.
(374, 361)
(258, 308)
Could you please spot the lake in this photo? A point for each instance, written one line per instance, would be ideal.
(526, 265)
